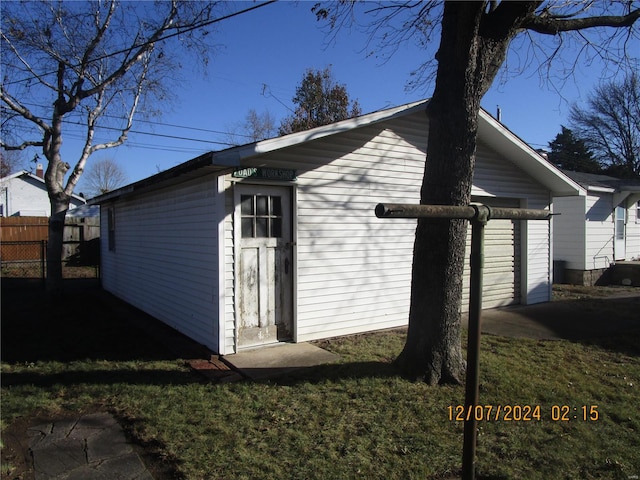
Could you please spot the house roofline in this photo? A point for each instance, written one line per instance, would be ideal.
(520, 153)
(235, 154)
(225, 161)
(24, 173)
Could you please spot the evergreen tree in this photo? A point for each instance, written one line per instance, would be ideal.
(320, 101)
(571, 153)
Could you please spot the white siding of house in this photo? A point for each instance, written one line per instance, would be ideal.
(26, 196)
(633, 231)
(599, 230)
(353, 270)
(229, 268)
(497, 177)
(165, 257)
(569, 230)
(502, 253)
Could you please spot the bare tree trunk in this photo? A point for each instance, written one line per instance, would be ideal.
(433, 350)
(59, 199)
(54, 248)
(467, 63)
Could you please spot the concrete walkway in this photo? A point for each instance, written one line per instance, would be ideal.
(92, 447)
(569, 320)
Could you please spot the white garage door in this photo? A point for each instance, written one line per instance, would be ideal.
(501, 279)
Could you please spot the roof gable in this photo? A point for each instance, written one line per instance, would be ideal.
(492, 132)
(37, 181)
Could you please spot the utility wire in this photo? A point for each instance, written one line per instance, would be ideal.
(162, 135)
(171, 35)
(161, 124)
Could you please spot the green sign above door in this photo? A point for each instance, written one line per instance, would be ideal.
(264, 173)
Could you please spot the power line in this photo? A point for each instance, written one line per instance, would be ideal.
(171, 35)
(185, 127)
(162, 135)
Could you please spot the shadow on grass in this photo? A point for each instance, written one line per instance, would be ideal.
(609, 323)
(91, 324)
(101, 377)
(87, 324)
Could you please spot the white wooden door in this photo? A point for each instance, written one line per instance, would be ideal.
(264, 266)
(619, 242)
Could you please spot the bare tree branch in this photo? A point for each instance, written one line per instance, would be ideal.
(21, 110)
(22, 146)
(549, 25)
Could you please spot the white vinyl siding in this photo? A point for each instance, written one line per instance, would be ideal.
(165, 261)
(354, 270)
(633, 231)
(501, 271)
(495, 176)
(599, 230)
(22, 195)
(229, 266)
(569, 228)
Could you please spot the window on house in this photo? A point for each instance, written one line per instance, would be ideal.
(638, 212)
(111, 222)
(261, 216)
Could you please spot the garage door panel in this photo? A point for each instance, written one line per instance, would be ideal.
(501, 272)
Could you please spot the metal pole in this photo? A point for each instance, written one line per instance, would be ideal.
(473, 342)
(479, 215)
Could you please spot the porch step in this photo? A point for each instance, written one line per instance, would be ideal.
(278, 359)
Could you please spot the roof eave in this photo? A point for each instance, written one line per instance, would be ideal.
(244, 152)
(180, 173)
(517, 151)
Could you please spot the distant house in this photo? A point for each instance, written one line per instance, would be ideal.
(24, 194)
(277, 240)
(597, 230)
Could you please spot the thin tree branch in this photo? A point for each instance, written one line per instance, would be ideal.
(30, 69)
(23, 111)
(22, 146)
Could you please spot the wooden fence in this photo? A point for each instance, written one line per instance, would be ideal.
(22, 240)
(24, 229)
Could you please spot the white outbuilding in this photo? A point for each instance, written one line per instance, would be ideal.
(277, 241)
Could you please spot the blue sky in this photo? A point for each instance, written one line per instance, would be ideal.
(262, 58)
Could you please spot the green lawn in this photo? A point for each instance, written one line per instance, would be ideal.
(356, 419)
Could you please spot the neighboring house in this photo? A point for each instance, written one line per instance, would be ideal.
(24, 194)
(597, 230)
(277, 240)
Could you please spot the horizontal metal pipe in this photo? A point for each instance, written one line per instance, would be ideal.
(470, 212)
(400, 210)
(520, 213)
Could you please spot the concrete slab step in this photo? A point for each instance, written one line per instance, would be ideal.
(278, 359)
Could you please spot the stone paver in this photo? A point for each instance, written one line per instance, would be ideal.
(92, 447)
